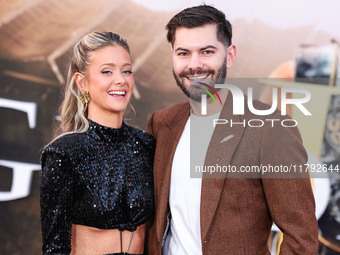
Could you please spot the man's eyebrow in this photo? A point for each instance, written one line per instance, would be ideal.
(181, 49)
(208, 47)
(204, 48)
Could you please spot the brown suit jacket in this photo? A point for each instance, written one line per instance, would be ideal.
(237, 213)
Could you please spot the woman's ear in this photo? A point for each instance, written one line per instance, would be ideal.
(80, 80)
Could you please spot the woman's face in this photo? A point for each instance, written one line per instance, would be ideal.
(109, 82)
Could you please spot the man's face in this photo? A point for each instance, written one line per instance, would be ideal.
(199, 57)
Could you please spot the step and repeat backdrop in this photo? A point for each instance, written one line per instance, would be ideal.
(36, 37)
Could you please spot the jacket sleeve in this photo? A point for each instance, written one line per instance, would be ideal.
(289, 194)
(150, 225)
(151, 125)
(55, 202)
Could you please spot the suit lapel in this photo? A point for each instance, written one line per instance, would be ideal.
(220, 151)
(168, 138)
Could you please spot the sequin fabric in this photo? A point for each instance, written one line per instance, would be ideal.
(101, 178)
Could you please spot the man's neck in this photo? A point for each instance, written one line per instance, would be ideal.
(212, 107)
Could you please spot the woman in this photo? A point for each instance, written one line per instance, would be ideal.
(96, 186)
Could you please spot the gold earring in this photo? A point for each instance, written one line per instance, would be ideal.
(85, 97)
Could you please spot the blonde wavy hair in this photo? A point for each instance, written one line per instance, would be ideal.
(72, 111)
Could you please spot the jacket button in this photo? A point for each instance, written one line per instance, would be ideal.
(205, 241)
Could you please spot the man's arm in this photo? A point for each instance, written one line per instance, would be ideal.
(150, 236)
(289, 195)
(150, 124)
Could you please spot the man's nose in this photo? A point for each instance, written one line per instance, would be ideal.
(195, 62)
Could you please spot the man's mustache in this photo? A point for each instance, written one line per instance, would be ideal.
(196, 72)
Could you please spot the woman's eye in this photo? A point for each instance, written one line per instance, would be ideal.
(106, 72)
(127, 72)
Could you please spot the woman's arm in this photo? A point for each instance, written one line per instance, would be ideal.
(55, 202)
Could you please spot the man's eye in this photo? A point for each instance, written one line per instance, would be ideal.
(127, 72)
(106, 72)
(182, 54)
(207, 52)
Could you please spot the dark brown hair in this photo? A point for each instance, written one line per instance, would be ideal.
(199, 16)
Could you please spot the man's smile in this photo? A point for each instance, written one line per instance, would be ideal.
(196, 78)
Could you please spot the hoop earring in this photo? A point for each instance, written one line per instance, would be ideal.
(85, 97)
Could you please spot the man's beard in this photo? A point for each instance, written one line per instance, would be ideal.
(195, 93)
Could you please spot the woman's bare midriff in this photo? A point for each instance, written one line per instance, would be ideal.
(93, 241)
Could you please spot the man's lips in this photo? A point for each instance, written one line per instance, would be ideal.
(197, 77)
(117, 93)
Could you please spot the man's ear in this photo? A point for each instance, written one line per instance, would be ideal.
(80, 80)
(231, 55)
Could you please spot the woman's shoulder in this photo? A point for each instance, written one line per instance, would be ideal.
(141, 135)
(64, 143)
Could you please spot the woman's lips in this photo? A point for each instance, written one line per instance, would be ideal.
(117, 93)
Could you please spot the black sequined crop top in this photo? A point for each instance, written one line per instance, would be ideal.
(101, 178)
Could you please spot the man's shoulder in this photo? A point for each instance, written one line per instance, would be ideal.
(172, 110)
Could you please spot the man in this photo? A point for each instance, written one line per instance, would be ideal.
(222, 215)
